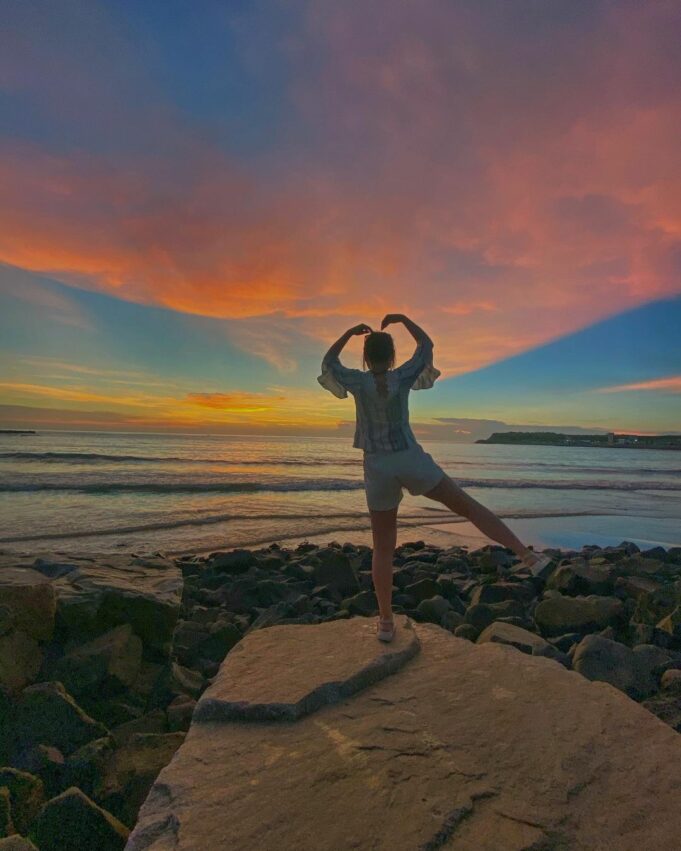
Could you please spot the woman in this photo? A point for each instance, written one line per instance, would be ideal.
(393, 458)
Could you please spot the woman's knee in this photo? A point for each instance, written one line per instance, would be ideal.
(382, 521)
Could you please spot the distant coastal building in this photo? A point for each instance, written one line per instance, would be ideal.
(611, 438)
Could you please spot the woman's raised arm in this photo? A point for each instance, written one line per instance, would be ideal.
(415, 330)
(339, 345)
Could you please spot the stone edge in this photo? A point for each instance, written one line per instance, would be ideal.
(211, 710)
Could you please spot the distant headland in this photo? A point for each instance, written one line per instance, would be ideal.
(610, 440)
(15, 431)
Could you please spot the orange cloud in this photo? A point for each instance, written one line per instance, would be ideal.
(505, 180)
(242, 402)
(284, 407)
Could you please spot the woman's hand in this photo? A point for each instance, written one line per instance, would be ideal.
(416, 332)
(392, 318)
(339, 345)
(360, 329)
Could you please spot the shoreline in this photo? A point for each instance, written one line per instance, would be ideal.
(558, 531)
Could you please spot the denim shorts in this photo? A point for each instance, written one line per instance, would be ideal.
(386, 473)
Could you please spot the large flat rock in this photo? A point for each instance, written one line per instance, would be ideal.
(468, 747)
(96, 593)
(304, 669)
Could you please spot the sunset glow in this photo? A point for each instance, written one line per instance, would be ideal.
(197, 201)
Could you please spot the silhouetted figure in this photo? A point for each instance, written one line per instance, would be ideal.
(393, 458)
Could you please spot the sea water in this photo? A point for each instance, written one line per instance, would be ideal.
(98, 492)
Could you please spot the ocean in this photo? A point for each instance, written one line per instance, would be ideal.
(179, 493)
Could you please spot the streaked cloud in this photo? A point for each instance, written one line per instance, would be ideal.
(507, 174)
(277, 407)
(44, 300)
(664, 385)
(76, 394)
(82, 369)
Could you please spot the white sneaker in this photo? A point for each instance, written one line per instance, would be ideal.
(385, 629)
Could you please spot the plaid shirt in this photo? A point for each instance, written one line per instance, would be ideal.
(382, 422)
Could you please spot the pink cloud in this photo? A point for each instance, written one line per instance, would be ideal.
(506, 178)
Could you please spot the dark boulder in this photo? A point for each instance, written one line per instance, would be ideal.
(85, 767)
(234, 561)
(654, 606)
(6, 823)
(26, 795)
(521, 639)
(499, 592)
(45, 762)
(155, 721)
(363, 603)
(180, 712)
(557, 614)
(467, 631)
(566, 641)
(335, 569)
(110, 662)
(579, 577)
(631, 671)
(424, 589)
(72, 821)
(451, 620)
(222, 636)
(132, 769)
(46, 714)
(433, 609)
(667, 707)
(483, 614)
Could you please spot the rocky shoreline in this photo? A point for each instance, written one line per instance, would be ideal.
(102, 659)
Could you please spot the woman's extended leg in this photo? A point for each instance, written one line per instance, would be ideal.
(455, 498)
(384, 531)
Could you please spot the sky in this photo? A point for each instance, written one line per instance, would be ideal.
(197, 199)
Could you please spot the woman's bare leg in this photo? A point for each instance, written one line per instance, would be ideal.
(457, 500)
(384, 531)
